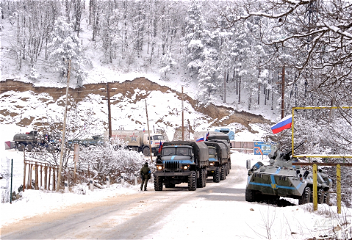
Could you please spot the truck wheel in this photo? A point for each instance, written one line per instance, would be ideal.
(205, 177)
(29, 147)
(158, 184)
(327, 198)
(201, 179)
(216, 176)
(21, 146)
(305, 198)
(192, 186)
(321, 196)
(146, 151)
(228, 168)
(250, 195)
(223, 173)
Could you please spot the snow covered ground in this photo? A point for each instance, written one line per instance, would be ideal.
(236, 217)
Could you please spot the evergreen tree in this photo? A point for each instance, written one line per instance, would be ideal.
(167, 63)
(207, 78)
(193, 38)
(66, 47)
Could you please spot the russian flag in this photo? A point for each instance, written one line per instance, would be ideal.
(160, 147)
(206, 136)
(200, 140)
(284, 123)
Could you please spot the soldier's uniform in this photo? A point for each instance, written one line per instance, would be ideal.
(145, 175)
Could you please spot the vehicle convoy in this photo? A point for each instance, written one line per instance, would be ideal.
(179, 162)
(138, 140)
(34, 139)
(96, 140)
(282, 179)
(218, 160)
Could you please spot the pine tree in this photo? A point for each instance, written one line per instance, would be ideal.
(66, 47)
(207, 78)
(193, 38)
(167, 63)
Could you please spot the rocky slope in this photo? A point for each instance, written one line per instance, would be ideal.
(211, 114)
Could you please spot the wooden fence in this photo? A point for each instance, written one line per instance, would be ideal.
(38, 175)
(45, 175)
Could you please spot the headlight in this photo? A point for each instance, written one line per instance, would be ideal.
(185, 167)
(159, 167)
(211, 163)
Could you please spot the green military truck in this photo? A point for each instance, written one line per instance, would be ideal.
(223, 138)
(27, 140)
(179, 162)
(218, 160)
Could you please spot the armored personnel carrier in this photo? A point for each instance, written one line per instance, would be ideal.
(282, 179)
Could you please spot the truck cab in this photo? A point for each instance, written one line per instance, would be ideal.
(181, 161)
(176, 158)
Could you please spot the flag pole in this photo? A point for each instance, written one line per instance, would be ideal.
(292, 128)
(64, 129)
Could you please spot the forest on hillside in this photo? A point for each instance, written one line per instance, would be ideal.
(268, 54)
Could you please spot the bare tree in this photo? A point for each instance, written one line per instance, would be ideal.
(318, 33)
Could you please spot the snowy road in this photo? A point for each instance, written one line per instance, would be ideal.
(133, 216)
(217, 211)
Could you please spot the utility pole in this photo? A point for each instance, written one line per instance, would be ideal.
(64, 129)
(283, 93)
(109, 109)
(226, 78)
(150, 147)
(183, 118)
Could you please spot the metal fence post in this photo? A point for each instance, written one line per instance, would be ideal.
(11, 181)
(91, 184)
(66, 186)
(338, 187)
(107, 181)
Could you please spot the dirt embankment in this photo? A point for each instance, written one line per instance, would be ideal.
(218, 115)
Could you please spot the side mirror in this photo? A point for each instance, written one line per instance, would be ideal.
(248, 164)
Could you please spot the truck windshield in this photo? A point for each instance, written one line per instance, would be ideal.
(180, 151)
(168, 151)
(158, 137)
(183, 151)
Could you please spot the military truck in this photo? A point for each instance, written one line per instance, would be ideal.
(218, 160)
(282, 179)
(96, 140)
(228, 131)
(137, 140)
(224, 139)
(26, 140)
(181, 162)
(34, 139)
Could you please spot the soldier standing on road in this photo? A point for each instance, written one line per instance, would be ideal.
(145, 175)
